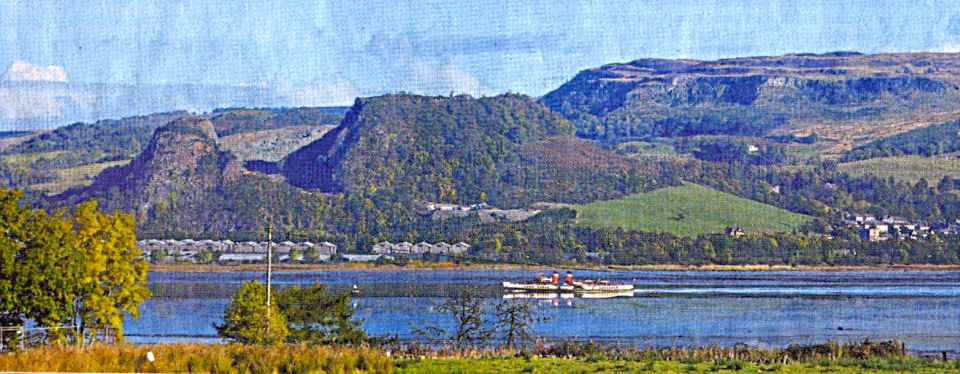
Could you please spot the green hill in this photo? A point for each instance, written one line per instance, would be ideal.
(687, 210)
(506, 150)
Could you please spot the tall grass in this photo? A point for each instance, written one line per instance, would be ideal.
(862, 356)
(829, 351)
(209, 358)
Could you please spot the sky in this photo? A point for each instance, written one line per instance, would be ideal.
(326, 53)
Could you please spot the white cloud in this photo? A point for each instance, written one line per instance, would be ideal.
(318, 93)
(21, 71)
(406, 63)
(460, 81)
(50, 102)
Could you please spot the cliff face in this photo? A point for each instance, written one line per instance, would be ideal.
(759, 95)
(179, 166)
(316, 164)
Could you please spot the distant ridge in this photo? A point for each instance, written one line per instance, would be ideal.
(838, 95)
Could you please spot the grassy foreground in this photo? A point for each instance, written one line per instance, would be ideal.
(192, 358)
(687, 210)
(234, 358)
(579, 365)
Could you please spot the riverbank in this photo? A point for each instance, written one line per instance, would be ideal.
(856, 358)
(420, 266)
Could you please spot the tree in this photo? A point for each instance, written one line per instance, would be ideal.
(296, 255)
(114, 273)
(83, 270)
(38, 266)
(514, 321)
(205, 257)
(318, 317)
(248, 320)
(312, 255)
(466, 310)
(158, 255)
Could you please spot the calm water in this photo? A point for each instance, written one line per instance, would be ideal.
(668, 308)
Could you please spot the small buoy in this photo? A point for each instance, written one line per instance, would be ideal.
(150, 356)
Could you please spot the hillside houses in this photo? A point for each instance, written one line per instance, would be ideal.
(406, 248)
(483, 212)
(876, 229)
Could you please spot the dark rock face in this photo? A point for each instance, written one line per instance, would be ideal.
(658, 97)
(181, 163)
(314, 166)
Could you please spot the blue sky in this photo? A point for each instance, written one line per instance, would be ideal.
(329, 52)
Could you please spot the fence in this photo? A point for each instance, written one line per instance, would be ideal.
(27, 337)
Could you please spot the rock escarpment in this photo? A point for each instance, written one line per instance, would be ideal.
(837, 94)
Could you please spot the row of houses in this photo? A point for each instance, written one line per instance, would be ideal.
(190, 246)
(406, 248)
(879, 229)
(229, 251)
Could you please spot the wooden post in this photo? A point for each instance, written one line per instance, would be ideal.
(269, 268)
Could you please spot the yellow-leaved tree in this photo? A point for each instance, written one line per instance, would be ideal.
(113, 277)
(67, 273)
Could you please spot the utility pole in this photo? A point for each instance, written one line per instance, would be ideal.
(269, 267)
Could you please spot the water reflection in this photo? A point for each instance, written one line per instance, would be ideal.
(567, 295)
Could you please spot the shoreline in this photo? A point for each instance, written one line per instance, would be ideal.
(427, 266)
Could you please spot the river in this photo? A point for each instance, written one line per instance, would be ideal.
(668, 308)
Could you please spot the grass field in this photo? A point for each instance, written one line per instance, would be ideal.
(687, 210)
(646, 148)
(22, 158)
(76, 176)
(907, 168)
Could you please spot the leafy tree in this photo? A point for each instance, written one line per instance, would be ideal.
(38, 265)
(205, 257)
(158, 255)
(114, 274)
(248, 320)
(312, 256)
(85, 270)
(318, 317)
(296, 254)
